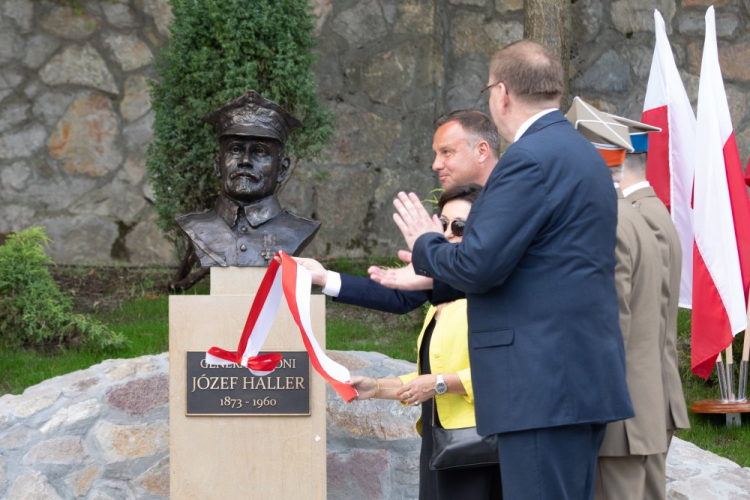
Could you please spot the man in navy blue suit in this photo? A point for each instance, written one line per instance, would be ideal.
(537, 265)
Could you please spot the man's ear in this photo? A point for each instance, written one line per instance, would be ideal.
(504, 101)
(283, 169)
(483, 148)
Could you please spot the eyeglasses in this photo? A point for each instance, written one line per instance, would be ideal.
(488, 87)
(457, 226)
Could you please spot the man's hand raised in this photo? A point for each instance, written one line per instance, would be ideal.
(403, 278)
(318, 273)
(412, 218)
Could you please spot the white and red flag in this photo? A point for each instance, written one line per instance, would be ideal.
(671, 152)
(292, 281)
(721, 217)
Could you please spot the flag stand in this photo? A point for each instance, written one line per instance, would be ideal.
(732, 409)
(721, 374)
(730, 406)
(742, 393)
(730, 374)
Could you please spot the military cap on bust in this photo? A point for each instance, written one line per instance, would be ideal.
(608, 135)
(252, 115)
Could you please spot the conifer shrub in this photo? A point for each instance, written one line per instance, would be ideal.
(34, 312)
(217, 51)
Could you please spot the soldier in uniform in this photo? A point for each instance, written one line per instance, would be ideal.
(629, 445)
(247, 225)
(641, 195)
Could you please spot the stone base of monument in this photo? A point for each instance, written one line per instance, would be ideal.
(234, 435)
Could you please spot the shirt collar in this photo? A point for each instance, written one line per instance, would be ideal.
(635, 187)
(528, 123)
(257, 213)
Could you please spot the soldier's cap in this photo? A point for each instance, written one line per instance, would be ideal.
(610, 137)
(252, 115)
(638, 133)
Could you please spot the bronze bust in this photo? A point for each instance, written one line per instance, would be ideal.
(247, 225)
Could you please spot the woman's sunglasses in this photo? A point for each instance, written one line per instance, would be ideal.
(457, 226)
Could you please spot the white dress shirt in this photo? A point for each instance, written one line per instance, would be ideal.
(635, 187)
(525, 125)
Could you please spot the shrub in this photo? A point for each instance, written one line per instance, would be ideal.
(33, 310)
(217, 51)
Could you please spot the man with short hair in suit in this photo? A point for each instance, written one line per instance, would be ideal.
(641, 195)
(537, 265)
(466, 145)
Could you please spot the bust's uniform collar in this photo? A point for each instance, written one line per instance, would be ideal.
(257, 213)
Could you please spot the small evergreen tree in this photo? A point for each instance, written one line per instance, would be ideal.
(217, 51)
(33, 310)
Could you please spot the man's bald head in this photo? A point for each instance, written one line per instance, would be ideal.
(530, 73)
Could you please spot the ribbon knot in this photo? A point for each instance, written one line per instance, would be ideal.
(261, 364)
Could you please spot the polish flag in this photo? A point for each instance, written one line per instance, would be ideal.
(670, 153)
(721, 256)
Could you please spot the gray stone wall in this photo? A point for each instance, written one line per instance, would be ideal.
(103, 434)
(75, 120)
(75, 116)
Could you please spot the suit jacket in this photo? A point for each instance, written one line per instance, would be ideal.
(231, 234)
(364, 292)
(657, 217)
(537, 265)
(449, 353)
(638, 280)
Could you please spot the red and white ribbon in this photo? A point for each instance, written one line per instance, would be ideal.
(294, 283)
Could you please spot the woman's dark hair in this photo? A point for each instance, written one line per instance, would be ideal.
(468, 192)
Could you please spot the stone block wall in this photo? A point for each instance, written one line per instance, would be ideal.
(75, 120)
(75, 116)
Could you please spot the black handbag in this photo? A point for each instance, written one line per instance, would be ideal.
(454, 449)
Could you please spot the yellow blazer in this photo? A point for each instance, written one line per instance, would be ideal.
(449, 353)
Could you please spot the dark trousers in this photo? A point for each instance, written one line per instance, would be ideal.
(482, 483)
(555, 463)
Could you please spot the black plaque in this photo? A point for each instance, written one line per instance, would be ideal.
(234, 391)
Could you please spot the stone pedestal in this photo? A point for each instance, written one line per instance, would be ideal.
(251, 457)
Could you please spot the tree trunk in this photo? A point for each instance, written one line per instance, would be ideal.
(188, 275)
(549, 22)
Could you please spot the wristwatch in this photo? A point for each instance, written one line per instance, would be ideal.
(441, 387)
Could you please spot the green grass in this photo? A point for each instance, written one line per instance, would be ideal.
(142, 318)
(394, 336)
(142, 321)
(351, 328)
(710, 432)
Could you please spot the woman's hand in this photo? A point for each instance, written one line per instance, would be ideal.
(366, 387)
(418, 390)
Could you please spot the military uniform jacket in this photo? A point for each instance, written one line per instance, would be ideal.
(638, 283)
(232, 234)
(657, 217)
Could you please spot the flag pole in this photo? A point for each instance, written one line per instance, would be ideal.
(729, 367)
(742, 394)
(722, 376)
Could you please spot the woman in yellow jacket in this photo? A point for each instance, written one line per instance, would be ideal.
(443, 377)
